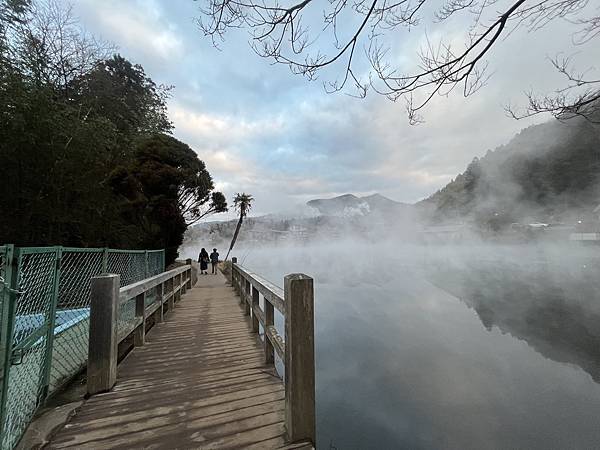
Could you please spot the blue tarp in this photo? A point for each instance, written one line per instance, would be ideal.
(25, 325)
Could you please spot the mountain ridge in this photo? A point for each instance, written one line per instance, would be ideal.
(352, 205)
(547, 172)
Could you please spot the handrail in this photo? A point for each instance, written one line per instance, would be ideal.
(107, 299)
(296, 303)
(134, 289)
(273, 293)
(273, 296)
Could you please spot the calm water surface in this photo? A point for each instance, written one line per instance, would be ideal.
(422, 353)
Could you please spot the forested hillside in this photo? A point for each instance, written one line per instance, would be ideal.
(548, 172)
(87, 159)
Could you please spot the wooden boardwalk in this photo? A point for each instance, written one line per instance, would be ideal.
(200, 381)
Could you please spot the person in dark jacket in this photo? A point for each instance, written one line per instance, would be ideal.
(203, 260)
(214, 259)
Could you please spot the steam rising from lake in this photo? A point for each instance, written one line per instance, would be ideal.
(464, 347)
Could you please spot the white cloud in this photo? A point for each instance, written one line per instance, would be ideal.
(262, 130)
(140, 28)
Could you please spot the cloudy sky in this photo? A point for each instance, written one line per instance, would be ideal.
(262, 130)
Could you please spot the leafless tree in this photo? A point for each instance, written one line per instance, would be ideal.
(57, 48)
(309, 36)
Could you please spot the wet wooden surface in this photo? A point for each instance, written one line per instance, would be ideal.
(199, 382)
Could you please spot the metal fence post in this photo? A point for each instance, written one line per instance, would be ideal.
(8, 291)
(51, 321)
(299, 358)
(146, 269)
(105, 260)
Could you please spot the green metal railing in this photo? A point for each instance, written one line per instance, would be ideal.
(44, 320)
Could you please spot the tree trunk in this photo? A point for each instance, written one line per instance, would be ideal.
(235, 235)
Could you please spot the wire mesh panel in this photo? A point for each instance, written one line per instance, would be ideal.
(3, 255)
(4, 329)
(49, 322)
(71, 328)
(156, 262)
(33, 313)
(131, 265)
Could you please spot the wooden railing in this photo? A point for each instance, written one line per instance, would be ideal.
(296, 303)
(106, 301)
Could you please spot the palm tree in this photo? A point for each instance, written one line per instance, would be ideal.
(242, 203)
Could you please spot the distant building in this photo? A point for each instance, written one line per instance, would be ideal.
(584, 237)
(558, 232)
(443, 233)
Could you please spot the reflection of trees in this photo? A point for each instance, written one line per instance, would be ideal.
(556, 314)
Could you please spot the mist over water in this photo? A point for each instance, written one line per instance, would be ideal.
(458, 347)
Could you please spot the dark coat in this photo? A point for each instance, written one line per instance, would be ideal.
(203, 260)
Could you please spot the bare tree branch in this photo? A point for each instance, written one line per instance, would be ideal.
(285, 34)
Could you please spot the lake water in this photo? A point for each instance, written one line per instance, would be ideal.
(439, 348)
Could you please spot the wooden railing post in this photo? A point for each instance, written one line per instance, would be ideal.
(247, 297)
(182, 286)
(269, 321)
(189, 275)
(161, 298)
(255, 304)
(178, 286)
(234, 276)
(139, 334)
(102, 346)
(299, 358)
(171, 301)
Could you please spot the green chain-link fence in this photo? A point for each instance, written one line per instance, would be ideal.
(45, 320)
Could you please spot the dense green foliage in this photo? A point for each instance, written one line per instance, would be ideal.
(548, 172)
(165, 185)
(85, 158)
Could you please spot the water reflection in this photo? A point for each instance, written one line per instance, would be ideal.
(556, 313)
(403, 363)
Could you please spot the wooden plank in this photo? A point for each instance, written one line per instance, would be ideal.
(143, 432)
(299, 446)
(127, 331)
(134, 289)
(269, 291)
(152, 309)
(276, 341)
(255, 309)
(269, 347)
(247, 298)
(259, 316)
(139, 334)
(200, 381)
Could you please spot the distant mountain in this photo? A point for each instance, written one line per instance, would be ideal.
(349, 205)
(548, 172)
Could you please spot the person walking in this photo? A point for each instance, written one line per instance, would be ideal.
(214, 259)
(203, 260)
